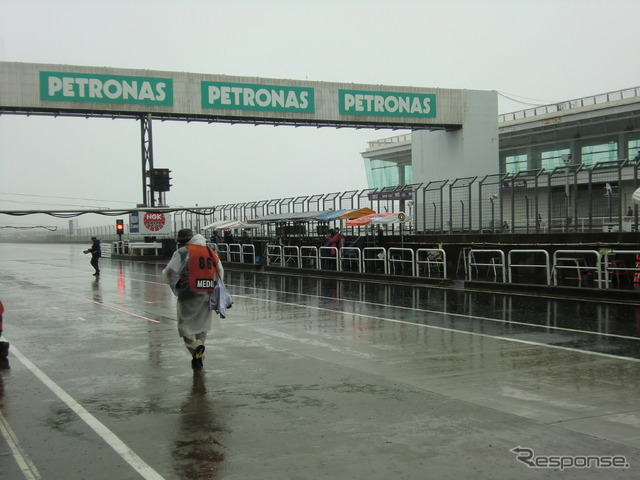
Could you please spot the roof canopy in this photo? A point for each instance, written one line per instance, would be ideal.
(386, 218)
(361, 212)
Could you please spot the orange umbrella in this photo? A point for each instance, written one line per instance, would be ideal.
(361, 212)
(366, 220)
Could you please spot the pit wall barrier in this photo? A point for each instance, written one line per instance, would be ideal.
(605, 269)
(235, 252)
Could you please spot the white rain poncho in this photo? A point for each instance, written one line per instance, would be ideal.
(194, 315)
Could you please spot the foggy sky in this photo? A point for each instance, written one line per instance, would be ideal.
(537, 51)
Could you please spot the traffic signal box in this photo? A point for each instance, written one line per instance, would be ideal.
(119, 227)
(160, 180)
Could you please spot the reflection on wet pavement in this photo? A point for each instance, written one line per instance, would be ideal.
(198, 452)
(600, 327)
(310, 377)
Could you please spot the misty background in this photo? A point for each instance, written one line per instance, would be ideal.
(531, 52)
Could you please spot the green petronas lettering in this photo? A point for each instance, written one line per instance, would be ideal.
(87, 88)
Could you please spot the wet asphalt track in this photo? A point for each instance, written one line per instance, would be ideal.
(307, 378)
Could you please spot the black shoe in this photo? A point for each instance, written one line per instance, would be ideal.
(4, 349)
(196, 364)
(198, 355)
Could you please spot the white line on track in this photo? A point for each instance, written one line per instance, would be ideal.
(107, 435)
(444, 329)
(436, 312)
(121, 310)
(27, 467)
(451, 314)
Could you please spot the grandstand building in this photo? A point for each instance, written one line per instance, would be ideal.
(571, 166)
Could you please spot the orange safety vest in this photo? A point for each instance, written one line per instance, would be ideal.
(202, 268)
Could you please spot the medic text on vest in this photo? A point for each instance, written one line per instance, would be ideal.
(204, 283)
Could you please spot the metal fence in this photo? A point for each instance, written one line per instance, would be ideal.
(571, 104)
(572, 198)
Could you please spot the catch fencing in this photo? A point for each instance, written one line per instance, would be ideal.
(568, 199)
(571, 198)
(601, 269)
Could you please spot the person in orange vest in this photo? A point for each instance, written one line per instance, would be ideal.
(192, 274)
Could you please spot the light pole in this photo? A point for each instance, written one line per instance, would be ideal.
(566, 158)
(493, 212)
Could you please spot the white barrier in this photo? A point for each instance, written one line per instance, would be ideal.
(619, 270)
(291, 254)
(491, 265)
(577, 261)
(546, 266)
(350, 255)
(223, 252)
(133, 247)
(235, 252)
(248, 253)
(330, 258)
(274, 255)
(375, 256)
(431, 258)
(398, 258)
(309, 256)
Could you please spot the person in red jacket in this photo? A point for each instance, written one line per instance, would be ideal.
(334, 239)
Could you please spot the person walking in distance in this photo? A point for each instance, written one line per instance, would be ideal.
(192, 272)
(96, 253)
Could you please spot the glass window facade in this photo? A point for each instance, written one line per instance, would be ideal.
(605, 152)
(552, 159)
(384, 173)
(634, 151)
(516, 163)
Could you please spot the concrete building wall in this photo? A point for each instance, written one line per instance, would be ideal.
(470, 151)
(466, 153)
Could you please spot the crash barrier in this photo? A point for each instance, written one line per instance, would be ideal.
(120, 247)
(583, 268)
(125, 247)
(531, 254)
(330, 258)
(235, 252)
(620, 272)
(351, 259)
(374, 260)
(309, 257)
(401, 261)
(431, 262)
(463, 261)
(274, 255)
(494, 260)
(574, 266)
(291, 256)
(223, 252)
(249, 253)
(105, 249)
(139, 248)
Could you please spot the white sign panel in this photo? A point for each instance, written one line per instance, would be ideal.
(154, 223)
